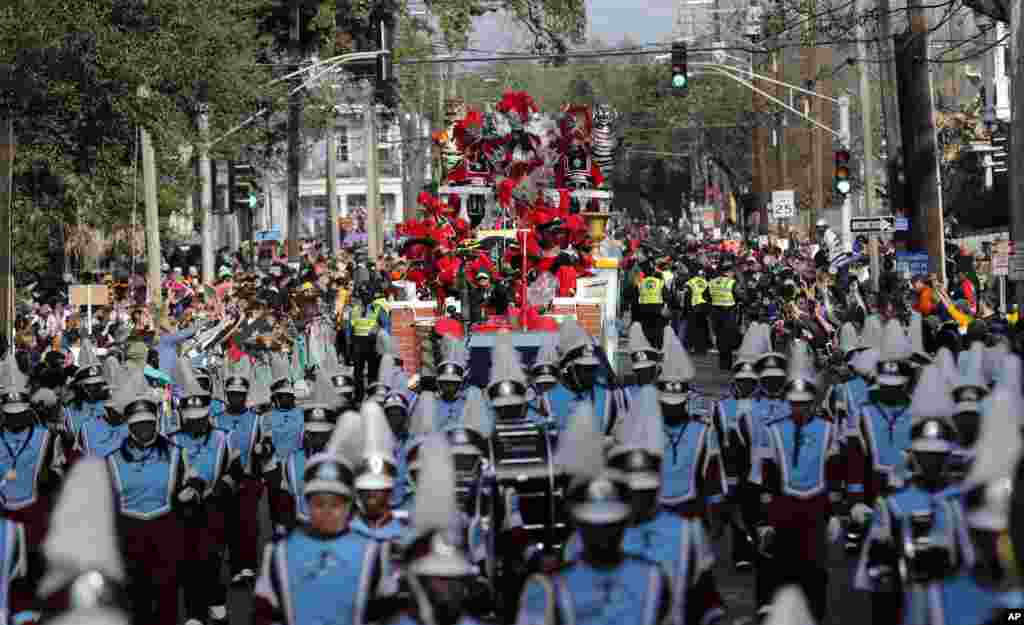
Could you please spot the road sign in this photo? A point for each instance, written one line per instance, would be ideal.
(902, 224)
(274, 234)
(783, 204)
(912, 263)
(873, 225)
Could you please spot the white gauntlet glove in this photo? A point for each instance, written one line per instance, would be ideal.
(861, 514)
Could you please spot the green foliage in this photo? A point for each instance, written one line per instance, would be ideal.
(72, 74)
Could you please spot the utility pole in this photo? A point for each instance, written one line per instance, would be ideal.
(206, 193)
(7, 151)
(845, 135)
(294, 129)
(867, 113)
(332, 187)
(890, 104)
(373, 242)
(924, 193)
(1017, 136)
(152, 220)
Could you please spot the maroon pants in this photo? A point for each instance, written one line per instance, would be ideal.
(154, 551)
(244, 525)
(203, 560)
(35, 518)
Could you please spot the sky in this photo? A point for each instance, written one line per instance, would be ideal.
(644, 21)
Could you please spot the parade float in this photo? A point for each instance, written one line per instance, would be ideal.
(515, 229)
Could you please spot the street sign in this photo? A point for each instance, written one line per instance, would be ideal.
(274, 234)
(873, 225)
(783, 204)
(912, 263)
(902, 224)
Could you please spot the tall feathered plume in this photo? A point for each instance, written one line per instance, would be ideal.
(581, 451)
(871, 335)
(83, 530)
(475, 415)
(644, 429)
(377, 435)
(187, 379)
(945, 362)
(505, 362)
(638, 340)
(789, 607)
(346, 440)
(424, 414)
(932, 396)
(676, 363)
(997, 450)
(435, 507)
(895, 344)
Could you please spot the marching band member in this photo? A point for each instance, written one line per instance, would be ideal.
(320, 416)
(579, 368)
(242, 512)
(970, 394)
(322, 571)
(104, 434)
(801, 488)
(421, 425)
(439, 579)
(396, 410)
(917, 555)
(286, 427)
(88, 401)
(211, 456)
(692, 474)
(375, 479)
(32, 459)
(544, 377)
(681, 545)
(84, 567)
(734, 418)
(607, 584)
(876, 461)
(150, 482)
(451, 383)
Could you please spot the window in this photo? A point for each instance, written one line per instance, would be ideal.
(343, 154)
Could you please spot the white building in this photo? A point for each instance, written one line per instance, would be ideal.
(351, 176)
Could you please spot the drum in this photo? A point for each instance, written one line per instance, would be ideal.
(469, 450)
(523, 459)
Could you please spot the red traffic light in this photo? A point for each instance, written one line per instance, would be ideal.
(842, 157)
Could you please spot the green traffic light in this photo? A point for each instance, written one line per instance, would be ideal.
(679, 81)
(843, 186)
(253, 200)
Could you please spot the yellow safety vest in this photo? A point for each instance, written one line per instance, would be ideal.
(650, 291)
(721, 292)
(697, 286)
(367, 324)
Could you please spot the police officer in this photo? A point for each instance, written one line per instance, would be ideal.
(724, 294)
(697, 309)
(365, 317)
(606, 584)
(799, 505)
(915, 551)
(650, 302)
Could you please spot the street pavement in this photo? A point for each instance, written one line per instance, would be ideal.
(846, 606)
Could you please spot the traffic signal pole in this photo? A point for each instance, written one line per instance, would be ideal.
(206, 194)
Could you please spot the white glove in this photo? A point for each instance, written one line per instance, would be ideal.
(835, 530)
(187, 494)
(765, 534)
(860, 514)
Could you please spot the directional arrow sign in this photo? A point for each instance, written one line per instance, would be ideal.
(869, 225)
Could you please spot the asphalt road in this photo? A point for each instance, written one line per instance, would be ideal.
(846, 606)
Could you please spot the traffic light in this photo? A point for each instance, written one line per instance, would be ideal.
(680, 78)
(842, 183)
(244, 185)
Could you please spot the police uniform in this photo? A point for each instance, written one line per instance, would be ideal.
(723, 317)
(800, 484)
(650, 304)
(363, 321)
(697, 314)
